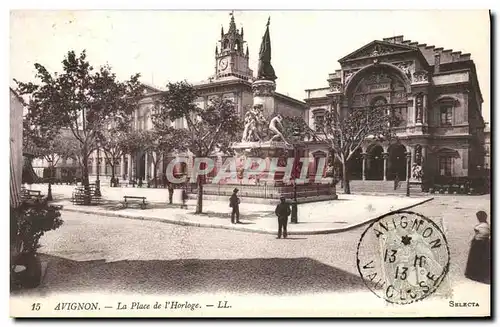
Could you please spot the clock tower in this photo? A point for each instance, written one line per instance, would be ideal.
(230, 57)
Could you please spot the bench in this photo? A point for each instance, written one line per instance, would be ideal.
(82, 196)
(142, 204)
(31, 194)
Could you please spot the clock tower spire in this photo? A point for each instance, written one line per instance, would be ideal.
(231, 60)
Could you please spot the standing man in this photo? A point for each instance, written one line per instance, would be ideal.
(184, 197)
(170, 192)
(234, 202)
(282, 211)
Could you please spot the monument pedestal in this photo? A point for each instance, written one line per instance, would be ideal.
(263, 94)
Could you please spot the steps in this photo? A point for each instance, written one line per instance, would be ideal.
(381, 187)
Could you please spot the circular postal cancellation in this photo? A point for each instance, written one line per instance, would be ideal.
(403, 257)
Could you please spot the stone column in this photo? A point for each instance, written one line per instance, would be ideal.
(386, 157)
(96, 164)
(424, 159)
(122, 166)
(419, 109)
(130, 172)
(363, 170)
(425, 113)
(410, 155)
(146, 167)
(408, 166)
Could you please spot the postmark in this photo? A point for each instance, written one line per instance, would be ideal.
(403, 257)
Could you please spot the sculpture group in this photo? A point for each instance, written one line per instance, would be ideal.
(257, 129)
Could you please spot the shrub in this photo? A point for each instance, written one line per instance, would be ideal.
(30, 221)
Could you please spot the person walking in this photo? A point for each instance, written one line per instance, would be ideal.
(234, 203)
(478, 262)
(170, 192)
(184, 197)
(165, 181)
(282, 211)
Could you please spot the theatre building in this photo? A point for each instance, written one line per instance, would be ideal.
(434, 91)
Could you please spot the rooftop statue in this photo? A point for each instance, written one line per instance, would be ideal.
(266, 70)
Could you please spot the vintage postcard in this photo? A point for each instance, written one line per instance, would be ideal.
(250, 163)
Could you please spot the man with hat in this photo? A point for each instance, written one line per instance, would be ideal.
(282, 211)
(234, 202)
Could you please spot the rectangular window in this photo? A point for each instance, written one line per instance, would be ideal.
(318, 123)
(446, 115)
(445, 166)
(400, 115)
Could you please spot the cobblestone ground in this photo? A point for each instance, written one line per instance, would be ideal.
(95, 253)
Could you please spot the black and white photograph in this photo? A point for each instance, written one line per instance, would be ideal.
(250, 163)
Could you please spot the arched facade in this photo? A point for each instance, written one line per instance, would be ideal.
(435, 96)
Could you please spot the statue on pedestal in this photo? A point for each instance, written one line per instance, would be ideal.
(254, 125)
(275, 125)
(265, 69)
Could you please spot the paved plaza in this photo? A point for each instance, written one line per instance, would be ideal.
(332, 216)
(94, 253)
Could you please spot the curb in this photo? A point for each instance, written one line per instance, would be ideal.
(242, 229)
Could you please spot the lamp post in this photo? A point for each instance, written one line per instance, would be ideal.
(408, 172)
(98, 182)
(49, 191)
(294, 218)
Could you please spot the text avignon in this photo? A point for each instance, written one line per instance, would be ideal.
(75, 306)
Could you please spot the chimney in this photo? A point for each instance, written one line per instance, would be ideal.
(437, 62)
(455, 56)
(465, 57)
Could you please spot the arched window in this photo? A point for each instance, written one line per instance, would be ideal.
(237, 45)
(226, 44)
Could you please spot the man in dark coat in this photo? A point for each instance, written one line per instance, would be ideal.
(282, 211)
(234, 202)
(170, 192)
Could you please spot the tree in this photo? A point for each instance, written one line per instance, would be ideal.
(80, 99)
(208, 130)
(346, 130)
(63, 146)
(157, 144)
(114, 143)
(296, 126)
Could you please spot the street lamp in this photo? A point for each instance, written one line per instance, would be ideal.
(408, 172)
(98, 182)
(294, 218)
(49, 191)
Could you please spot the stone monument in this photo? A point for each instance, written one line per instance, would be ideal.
(263, 138)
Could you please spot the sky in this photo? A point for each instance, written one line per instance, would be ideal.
(168, 46)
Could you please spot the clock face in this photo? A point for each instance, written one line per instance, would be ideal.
(223, 64)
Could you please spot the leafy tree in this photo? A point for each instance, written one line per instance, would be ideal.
(133, 144)
(208, 130)
(158, 144)
(114, 142)
(296, 127)
(80, 99)
(346, 130)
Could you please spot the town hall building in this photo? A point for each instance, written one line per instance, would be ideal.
(232, 80)
(435, 93)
